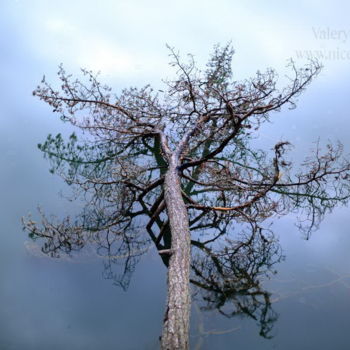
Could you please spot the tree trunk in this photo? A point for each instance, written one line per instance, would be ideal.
(175, 333)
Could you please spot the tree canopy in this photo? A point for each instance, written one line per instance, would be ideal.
(144, 157)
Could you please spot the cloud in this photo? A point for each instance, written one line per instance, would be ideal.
(85, 49)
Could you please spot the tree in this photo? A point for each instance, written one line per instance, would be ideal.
(180, 165)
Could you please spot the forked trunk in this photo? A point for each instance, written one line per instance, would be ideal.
(175, 333)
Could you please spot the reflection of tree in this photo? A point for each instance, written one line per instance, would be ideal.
(119, 248)
(229, 279)
(227, 273)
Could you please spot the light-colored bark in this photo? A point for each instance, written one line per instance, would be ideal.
(175, 335)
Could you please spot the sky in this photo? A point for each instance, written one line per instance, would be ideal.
(126, 41)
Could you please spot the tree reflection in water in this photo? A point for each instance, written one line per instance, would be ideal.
(230, 279)
(226, 274)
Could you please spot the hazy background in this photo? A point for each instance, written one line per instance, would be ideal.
(59, 304)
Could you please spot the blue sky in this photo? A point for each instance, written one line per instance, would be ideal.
(127, 38)
(126, 41)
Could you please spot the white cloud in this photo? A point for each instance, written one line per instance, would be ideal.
(84, 49)
(127, 38)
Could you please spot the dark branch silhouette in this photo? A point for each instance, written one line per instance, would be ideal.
(229, 279)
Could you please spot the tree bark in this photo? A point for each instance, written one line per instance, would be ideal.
(175, 335)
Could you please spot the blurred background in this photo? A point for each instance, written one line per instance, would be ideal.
(66, 303)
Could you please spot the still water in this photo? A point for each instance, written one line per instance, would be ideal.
(68, 304)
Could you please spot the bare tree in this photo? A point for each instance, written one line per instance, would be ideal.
(180, 165)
